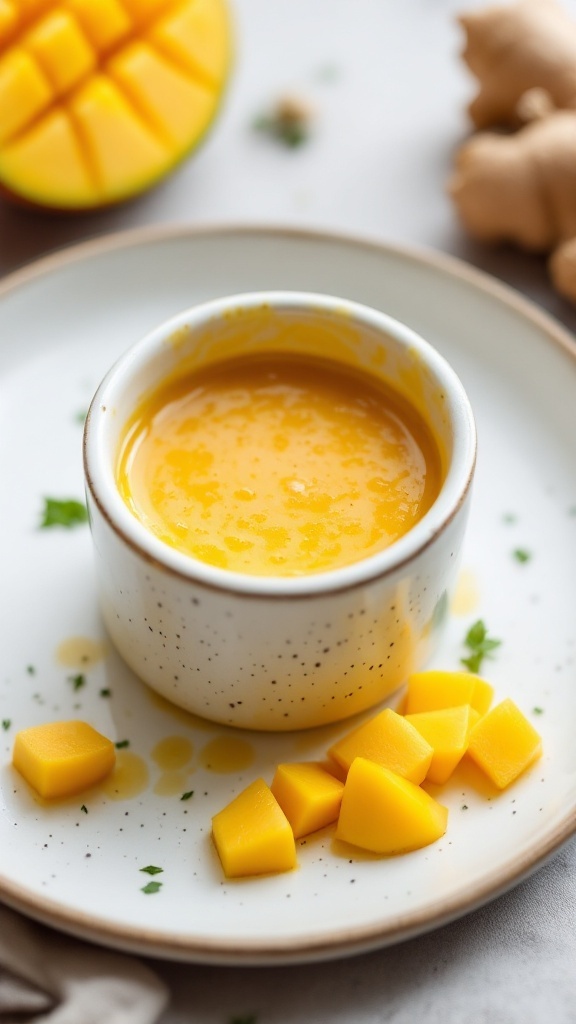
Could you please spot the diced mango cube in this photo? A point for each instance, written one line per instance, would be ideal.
(59, 759)
(385, 813)
(309, 796)
(504, 743)
(390, 740)
(447, 732)
(433, 690)
(253, 835)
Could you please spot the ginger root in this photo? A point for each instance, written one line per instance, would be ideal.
(521, 187)
(513, 49)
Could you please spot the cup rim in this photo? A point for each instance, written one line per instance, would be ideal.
(99, 463)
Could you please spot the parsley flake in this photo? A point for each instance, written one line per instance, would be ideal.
(288, 122)
(186, 796)
(152, 870)
(80, 417)
(66, 513)
(521, 555)
(6, 723)
(31, 670)
(77, 681)
(151, 887)
(480, 646)
(538, 711)
(84, 808)
(105, 693)
(122, 744)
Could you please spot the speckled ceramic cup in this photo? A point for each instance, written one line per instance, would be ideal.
(278, 653)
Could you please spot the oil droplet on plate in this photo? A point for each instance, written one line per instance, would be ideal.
(172, 783)
(80, 652)
(129, 778)
(467, 594)
(226, 754)
(172, 753)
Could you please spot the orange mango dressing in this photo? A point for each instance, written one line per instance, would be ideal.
(278, 464)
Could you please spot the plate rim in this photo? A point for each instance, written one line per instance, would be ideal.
(137, 237)
(277, 952)
(365, 937)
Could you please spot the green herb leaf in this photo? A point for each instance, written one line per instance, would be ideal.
(31, 670)
(84, 808)
(122, 744)
(66, 513)
(80, 416)
(521, 555)
(105, 693)
(6, 723)
(77, 681)
(538, 711)
(290, 134)
(152, 870)
(288, 122)
(151, 887)
(186, 796)
(480, 646)
(473, 662)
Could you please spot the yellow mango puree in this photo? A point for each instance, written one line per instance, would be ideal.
(278, 465)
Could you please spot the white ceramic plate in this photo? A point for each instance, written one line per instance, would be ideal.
(78, 865)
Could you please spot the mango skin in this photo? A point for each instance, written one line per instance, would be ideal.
(100, 99)
(59, 759)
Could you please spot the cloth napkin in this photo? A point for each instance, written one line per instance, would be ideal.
(58, 980)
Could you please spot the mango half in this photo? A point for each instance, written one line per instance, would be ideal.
(99, 99)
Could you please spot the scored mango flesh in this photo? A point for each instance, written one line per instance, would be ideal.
(99, 99)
